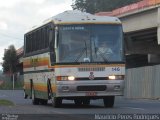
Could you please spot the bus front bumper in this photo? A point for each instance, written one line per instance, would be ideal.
(90, 88)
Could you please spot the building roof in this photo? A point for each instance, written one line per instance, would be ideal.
(131, 8)
(20, 51)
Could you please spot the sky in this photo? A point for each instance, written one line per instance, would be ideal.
(18, 16)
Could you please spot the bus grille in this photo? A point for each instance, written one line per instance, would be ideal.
(83, 69)
(92, 88)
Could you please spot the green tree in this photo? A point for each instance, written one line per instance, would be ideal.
(10, 60)
(94, 6)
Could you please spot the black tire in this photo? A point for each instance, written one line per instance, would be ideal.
(56, 102)
(43, 102)
(35, 101)
(86, 102)
(78, 102)
(109, 101)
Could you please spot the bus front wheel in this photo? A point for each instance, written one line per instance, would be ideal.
(56, 102)
(109, 101)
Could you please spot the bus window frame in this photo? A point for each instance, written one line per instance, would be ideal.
(41, 49)
(52, 44)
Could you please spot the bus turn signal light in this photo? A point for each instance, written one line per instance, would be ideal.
(65, 78)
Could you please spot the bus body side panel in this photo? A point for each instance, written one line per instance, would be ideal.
(27, 87)
(36, 69)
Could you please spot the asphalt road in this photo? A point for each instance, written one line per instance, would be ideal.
(25, 110)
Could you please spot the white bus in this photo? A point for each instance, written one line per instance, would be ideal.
(64, 59)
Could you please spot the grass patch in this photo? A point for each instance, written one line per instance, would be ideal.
(6, 103)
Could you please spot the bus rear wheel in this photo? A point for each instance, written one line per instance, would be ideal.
(109, 101)
(43, 102)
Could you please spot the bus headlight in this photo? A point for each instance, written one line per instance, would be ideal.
(116, 77)
(71, 78)
(112, 77)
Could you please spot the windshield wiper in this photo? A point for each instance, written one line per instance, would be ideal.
(82, 52)
(95, 48)
(79, 56)
(101, 54)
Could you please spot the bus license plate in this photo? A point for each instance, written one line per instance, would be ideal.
(91, 93)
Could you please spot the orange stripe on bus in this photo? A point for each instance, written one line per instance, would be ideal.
(40, 87)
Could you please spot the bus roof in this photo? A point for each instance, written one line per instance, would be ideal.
(78, 17)
(71, 17)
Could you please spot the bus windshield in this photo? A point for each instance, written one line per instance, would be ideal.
(90, 43)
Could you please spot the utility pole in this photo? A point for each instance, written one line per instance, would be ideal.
(13, 81)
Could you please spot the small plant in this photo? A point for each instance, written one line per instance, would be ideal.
(6, 103)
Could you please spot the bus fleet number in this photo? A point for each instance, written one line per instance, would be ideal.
(116, 69)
